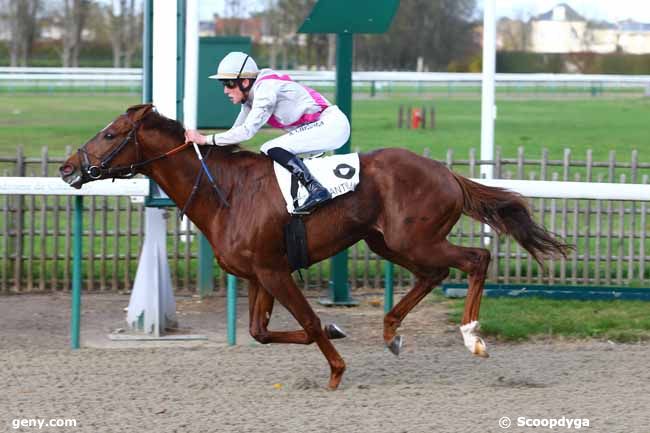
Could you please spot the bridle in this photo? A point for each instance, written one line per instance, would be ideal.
(102, 170)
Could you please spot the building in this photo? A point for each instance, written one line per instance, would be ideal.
(563, 30)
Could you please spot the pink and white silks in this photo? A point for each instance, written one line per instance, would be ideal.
(324, 130)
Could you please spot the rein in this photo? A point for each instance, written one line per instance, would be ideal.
(197, 184)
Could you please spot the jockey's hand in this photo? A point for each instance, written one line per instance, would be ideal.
(193, 136)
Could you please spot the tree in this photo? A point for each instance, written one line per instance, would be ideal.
(515, 34)
(438, 31)
(75, 13)
(23, 16)
(124, 24)
(285, 16)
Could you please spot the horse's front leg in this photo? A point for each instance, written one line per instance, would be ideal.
(282, 287)
(260, 310)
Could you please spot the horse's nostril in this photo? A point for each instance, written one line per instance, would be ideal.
(66, 169)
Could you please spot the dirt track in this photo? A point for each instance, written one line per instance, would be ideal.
(435, 385)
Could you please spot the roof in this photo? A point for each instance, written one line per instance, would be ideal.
(570, 14)
(633, 26)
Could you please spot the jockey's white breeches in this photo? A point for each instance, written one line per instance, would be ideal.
(329, 132)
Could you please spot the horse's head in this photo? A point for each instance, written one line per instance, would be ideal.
(112, 152)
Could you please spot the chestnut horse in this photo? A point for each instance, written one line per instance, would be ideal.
(404, 208)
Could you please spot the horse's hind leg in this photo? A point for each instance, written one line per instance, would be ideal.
(428, 277)
(393, 319)
(475, 262)
(282, 287)
(427, 260)
(260, 310)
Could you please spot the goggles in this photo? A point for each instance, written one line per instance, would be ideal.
(230, 84)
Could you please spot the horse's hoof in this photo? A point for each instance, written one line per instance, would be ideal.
(473, 342)
(334, 332)
(396, 345)
(480, 349)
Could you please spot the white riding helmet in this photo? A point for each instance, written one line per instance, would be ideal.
(236, 65)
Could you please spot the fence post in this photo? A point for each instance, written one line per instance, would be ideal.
(75, 318)
(232, 309)
(43, 223)
(206, 267)
(432, 113)
(642, 237)
(18, 246)
(388, 289)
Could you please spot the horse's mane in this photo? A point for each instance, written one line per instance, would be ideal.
(173, 128)
(154, 120)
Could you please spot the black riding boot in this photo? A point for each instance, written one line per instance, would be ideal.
(318, 194)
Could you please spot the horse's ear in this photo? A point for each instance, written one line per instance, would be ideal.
(138, 112)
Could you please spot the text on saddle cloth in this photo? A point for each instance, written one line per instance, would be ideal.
(338, 173)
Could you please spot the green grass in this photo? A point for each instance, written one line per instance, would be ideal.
(601, 125)
(57, 120)
(520, 319)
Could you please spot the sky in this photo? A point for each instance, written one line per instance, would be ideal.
(609, 10)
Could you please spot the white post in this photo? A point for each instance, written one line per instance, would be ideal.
(191, 63)
(191, 81)
(164, 57)
(488, 108)
(152, 307)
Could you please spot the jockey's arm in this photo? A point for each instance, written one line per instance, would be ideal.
(247, 124)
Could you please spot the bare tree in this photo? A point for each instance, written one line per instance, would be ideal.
(75, 13)
(23, 29)
(124, 23)
(438, 31)
(131, 31)
(234, 11)
(115, 18)
(515, 33)
(331, 51)
(293, 13)
(584, 61)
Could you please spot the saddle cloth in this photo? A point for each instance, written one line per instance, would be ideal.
(338, 173)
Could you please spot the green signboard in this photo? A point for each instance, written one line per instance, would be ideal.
(345, 16)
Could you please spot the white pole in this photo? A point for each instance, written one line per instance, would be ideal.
(152, 305)
(191, 80)
(488, 108)
(191, 63)
(164, 57)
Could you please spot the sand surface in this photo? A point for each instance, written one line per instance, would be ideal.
(435, 385)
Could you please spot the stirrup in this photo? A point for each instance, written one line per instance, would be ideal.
(306, 210)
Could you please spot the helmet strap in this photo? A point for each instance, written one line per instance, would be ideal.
(243, 89)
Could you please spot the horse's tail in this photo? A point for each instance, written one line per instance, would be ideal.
(507, 212)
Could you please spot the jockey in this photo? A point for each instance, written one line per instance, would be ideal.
(312, 123)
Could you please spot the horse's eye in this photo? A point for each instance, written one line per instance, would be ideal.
(109, 136)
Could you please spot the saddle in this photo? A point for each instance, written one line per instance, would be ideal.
(338, 173)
